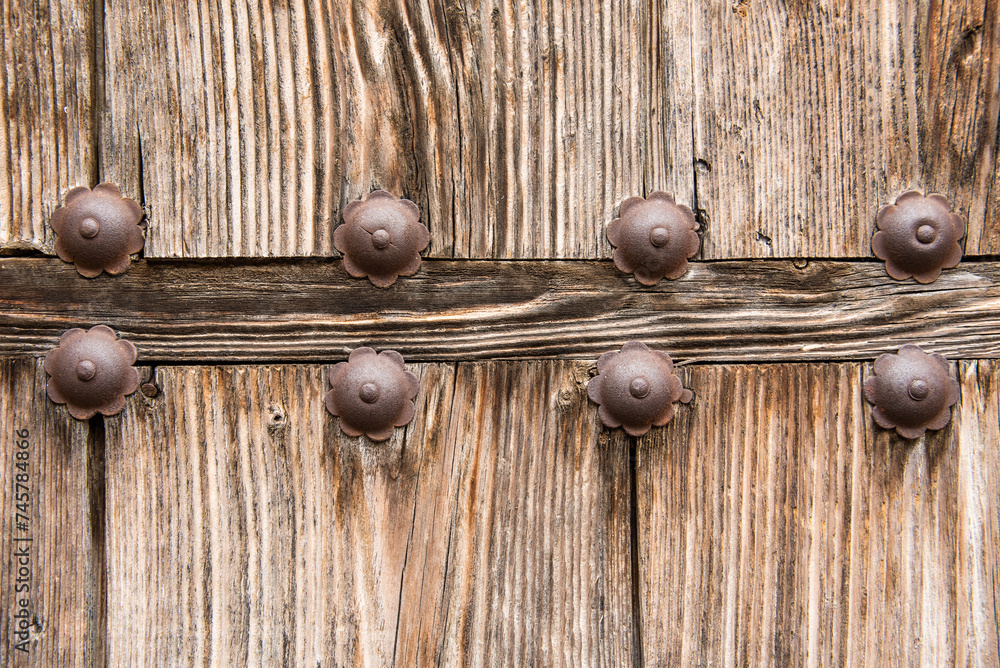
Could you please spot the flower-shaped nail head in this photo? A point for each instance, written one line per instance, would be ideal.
(636, 388)
(91, 372)
(653, 238)
(912, 391)
(371, 393)
(918, 236)
(381, 238)
(98, 230)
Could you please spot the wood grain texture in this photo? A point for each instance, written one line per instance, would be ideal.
(540, 572)
(461, 310)
(245, 529)
(779, 526)
(962, 114)
(811, 116)
(516, 128)
(519, 129)
(47, 129)
(64, 532)
(977, 515)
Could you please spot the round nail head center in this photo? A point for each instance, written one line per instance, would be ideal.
(369, 393)
(89, 228)
(639, 387)
(380, 239)
(919, 389)
(659, 236)
(85, 370)
(926, 234)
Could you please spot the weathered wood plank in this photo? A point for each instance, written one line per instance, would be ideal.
(977, 514)
(743, 512)
(52, 546)
(47, 88)
(460, 310)
(961, 50)
(811, 116)
(245, 529)
(517, 128)
(779, 526)
(540, 570)
(904, 610)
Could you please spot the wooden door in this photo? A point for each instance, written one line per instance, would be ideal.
(224, 519)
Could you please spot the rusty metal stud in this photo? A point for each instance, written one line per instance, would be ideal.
(636, 388)
(918, 236)
(912, 391)
(98, 230)
(91, 372)
(372, 393)
(381, 238)
(653, 238)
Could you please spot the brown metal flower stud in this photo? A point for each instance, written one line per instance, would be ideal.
(636, 388)
(372, 393)
(381, 238)
(912, 391)
(91, 372)
(918, 236)
(653, 238)
(98, 230)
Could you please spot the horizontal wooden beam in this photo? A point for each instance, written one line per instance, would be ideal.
(297, 311)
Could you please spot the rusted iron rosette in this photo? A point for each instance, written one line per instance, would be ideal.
(636, 388)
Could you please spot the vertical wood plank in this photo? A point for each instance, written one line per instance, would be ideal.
(745, 517)
(962, 84)
(670, 160)
(978, 516)
(224, 118)
(519, 132)
(518, 129)
(51, 545)
(539, 559)
(905, 611)
(47, 88)
(778, 525)
(244, 529)
(811, 116)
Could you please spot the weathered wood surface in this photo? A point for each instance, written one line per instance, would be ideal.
(977, 511)
(245, 128)
(461, 310)
(810, 116)
(47, 125)
(519, 129)
(778, 525)
(774, 524)
(64, 532)
(245, 529)
(962, 113)
(516, 128)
